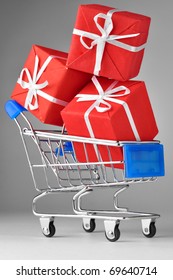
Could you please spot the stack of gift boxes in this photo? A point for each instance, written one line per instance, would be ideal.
(90, 89)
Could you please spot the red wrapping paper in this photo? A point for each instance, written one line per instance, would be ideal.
(60, 83)
(117, 63)
(113, 124)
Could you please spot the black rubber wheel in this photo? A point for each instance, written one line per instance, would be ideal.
(152, 230)
(91, 227)
(115, 235)
(51, 230)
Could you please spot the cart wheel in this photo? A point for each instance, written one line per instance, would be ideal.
(113, 235)
(89, 225)
(49, 232)
(151, 231)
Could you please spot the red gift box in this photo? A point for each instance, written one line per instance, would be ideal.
(107, 109)
(45, 85)
(108, 42)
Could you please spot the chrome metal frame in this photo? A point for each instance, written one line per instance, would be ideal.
(78, 177)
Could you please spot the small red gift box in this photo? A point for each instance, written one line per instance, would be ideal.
(107, 109)
(108, 42)
(45, 85)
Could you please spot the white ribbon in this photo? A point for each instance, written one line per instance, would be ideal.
(34, 89)
(102, 98)
(104, 38)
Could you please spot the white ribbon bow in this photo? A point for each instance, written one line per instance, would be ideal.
(104, 38)
(34, 89)
(102, 98)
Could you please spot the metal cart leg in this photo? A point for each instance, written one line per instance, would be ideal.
(77, 201)
(117, 208)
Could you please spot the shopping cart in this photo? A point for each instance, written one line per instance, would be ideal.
(63, 174)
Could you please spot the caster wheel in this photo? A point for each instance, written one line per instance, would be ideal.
(49, 232)
(152, 230)
(113, 235)
(89, 226)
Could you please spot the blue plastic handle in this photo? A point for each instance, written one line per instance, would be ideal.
(13, 109)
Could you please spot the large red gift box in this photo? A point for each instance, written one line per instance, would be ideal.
(107, 109)
(46, 85)
(108, 42)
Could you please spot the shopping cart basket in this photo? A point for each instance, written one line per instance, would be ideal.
(143, 162)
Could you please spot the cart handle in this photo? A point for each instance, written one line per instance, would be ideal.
(13, 109)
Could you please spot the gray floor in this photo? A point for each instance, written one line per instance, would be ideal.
(21, 238)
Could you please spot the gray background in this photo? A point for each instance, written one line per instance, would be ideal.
(50, 23)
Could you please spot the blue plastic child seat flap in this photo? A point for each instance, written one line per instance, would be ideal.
(67, 149)
(13, 109)
(144, 160)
